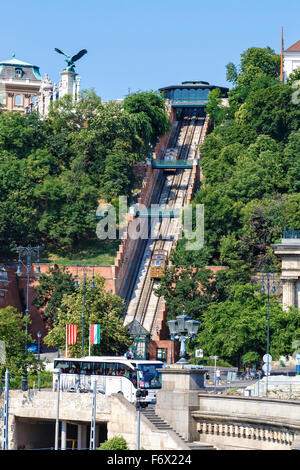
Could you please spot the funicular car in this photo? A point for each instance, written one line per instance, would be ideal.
(158, 263)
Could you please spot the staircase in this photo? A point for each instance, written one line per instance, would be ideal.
(162, 425)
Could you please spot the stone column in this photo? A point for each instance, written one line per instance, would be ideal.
(288, 293)
(81, 436)
(63, 435)
(297, 300)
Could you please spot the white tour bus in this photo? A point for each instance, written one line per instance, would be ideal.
(112, 375)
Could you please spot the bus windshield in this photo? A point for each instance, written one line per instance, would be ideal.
(149, 377)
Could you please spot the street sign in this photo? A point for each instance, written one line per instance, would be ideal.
(267, 358)
(266, 367)
(297, 357)
(199, 353)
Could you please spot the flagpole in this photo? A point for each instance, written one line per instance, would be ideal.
(281, 57)
(66, 340)
(90, 342)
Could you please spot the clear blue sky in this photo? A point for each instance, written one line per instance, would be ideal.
(145, 44)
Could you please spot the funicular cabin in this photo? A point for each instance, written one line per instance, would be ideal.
(158, 263)
(171, 154)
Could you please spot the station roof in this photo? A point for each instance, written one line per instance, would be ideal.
(194, 84)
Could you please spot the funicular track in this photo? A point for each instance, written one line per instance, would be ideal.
(143, 304)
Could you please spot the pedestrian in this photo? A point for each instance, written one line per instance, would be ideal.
(129, 354)
(218, 376)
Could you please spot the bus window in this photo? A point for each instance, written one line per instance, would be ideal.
(124, 371)
(98, 368)
(74, 368)
(86, 368)
(149, 377)
(63, 365)
(111, 369)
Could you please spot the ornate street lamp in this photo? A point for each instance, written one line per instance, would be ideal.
(183, 324)
(31, 253)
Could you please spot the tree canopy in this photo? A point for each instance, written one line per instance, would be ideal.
(55, 170)
(101, 307)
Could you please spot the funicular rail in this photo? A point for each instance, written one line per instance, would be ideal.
(144, 305)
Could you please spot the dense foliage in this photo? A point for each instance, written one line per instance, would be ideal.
(50, 290)
(236, 328)
(54, 171)
(101, 307)
(13, 333)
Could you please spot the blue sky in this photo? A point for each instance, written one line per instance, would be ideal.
(143, 45)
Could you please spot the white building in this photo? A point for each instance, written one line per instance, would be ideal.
(291, 60)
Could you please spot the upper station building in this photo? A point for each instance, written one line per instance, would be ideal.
(190, 94)
(291, 60)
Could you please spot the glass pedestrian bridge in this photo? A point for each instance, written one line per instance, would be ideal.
(173, 164)
(156, 212)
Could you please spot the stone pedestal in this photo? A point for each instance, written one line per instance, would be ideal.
(178, 398)
(69, 84)
(289, 252)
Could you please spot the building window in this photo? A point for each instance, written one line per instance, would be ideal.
(162, 354)
(2, 98)
(18, 73)
(18, 100)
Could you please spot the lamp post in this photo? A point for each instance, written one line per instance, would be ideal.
(30, 253)
(85, 270)
(266, 278)
(39, 334)
(183, 324)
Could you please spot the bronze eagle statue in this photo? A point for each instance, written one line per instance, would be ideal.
(71, 60)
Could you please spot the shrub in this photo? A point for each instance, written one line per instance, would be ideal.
(115, 443)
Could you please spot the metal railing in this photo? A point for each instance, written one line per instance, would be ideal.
(291, 233)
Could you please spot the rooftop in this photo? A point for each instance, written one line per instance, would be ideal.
(294, 48)
(8, 70)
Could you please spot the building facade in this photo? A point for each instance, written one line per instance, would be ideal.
(291, 60)
(20, 84)
(23, 89)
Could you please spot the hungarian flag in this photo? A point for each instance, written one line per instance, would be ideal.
(71, 334)
(94, 334)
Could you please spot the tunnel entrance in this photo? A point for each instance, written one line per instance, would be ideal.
(36, 434)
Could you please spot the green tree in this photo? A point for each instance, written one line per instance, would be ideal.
(13, 333)
(214, 107)
(191, 290)
(50, 290)
(115, 443)
(150, 114)
(236, 329)
(100, 307)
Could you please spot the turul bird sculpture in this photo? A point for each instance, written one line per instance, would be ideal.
(71, 60)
